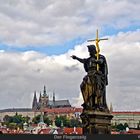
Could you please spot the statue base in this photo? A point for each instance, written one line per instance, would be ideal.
(96, 122)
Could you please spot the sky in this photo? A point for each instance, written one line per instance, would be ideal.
(38, 37)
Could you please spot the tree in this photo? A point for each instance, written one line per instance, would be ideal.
(36, 119)
(62, 120)
(18, 119)
(65, 120)
(125, 125)
(120, 127)
(26, 119)
(58, 121)
(75, 123)
(12, 125)
(47, 120)
(7, 119)
(15, 121)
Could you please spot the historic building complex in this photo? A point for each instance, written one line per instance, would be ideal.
(54, 107)
(132, 118)
(45, 102)
(51, 108)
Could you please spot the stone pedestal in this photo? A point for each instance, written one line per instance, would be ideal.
(96, 122)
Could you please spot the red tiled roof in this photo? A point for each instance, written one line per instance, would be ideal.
(126, 112)
(34, 125)
(78, 110)
(74, 109)
(63, 110)
(133, 131)
(44, 131)
(79, 130)
(115, 132)
(3, 130)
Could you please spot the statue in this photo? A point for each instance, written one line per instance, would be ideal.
(94, 83)
(96, 117)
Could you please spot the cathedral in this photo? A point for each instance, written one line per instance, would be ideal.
(45, 102)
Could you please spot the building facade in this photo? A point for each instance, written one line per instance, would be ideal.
(54, 107)
(132, 118)
(38, 106)
(22, 111)
(70, 112)
(45, 102)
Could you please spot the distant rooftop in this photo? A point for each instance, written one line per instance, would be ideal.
(63, 110)
(126, 112)
(16, 110)
(60, 103)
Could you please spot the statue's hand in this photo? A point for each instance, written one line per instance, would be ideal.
(73, 56)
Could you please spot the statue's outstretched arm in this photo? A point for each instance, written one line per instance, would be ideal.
(77, 58)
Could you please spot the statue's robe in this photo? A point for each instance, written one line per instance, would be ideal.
(94, 83)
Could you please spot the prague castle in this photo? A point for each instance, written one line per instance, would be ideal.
(45, 102)
(54, 107)
(45, 105)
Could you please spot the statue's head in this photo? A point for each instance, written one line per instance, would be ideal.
(92, 49)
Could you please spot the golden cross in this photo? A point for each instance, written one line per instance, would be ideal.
(97, 45)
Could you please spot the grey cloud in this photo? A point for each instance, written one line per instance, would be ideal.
(26, 72)
(71, 68)
(37, 22)
(23, 73)
(123, 61)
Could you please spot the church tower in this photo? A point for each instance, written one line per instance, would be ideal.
(40, 97)
(53, 97)
(44, 99)
(111, 108)
(34, 104)
(44, 92)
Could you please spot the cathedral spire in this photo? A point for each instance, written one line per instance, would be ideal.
(44, 91)
(53, 96)
(40, 97)
(34, 104)
(111, 108)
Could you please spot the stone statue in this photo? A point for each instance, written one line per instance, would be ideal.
(96, 117)
(93, 86)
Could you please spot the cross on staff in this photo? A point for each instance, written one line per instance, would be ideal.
(97, 45)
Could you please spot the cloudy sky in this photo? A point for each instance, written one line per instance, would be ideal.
(37, 38)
